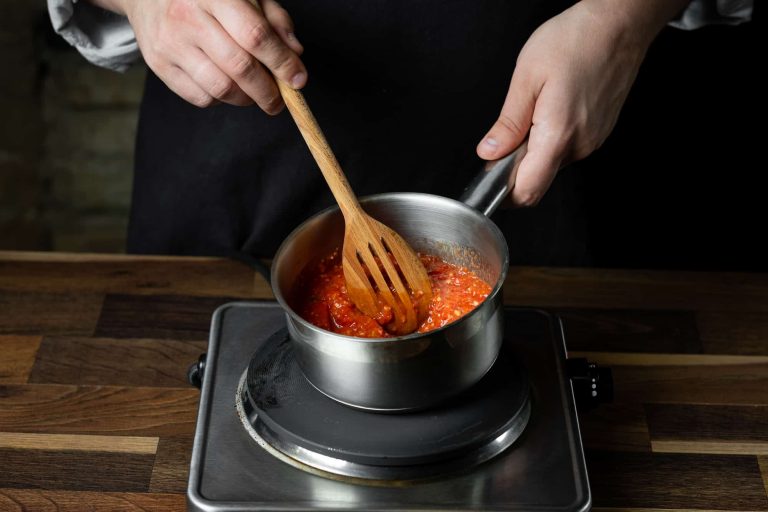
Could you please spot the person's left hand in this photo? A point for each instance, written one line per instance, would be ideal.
(570, 82)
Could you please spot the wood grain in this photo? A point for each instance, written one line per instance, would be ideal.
(634, 359)
(763, 463)
(733, 332)
(711, 447)
(736, 384)
(49, 313)
(159, 316)
(69, 442)
(142, 275)
(617, 426)
(676, 481)
(630, 330)
(636, 289)
(83, 380)
(38, 500)
(115, 362)
(111, 410)
(18, 358)
(75, 470)
(171, 470)
(708, 422)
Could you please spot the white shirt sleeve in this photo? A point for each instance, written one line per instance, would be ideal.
(700, 13)
(104, 38)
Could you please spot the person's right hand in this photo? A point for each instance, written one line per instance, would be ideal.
(210, 51)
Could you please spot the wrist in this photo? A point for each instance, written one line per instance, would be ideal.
(116, 6)
(635, 21)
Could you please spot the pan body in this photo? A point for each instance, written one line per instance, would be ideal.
(414, 371)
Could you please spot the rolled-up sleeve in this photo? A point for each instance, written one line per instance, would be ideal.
(104, 38)
(700, 13)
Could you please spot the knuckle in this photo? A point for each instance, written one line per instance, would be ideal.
(528, 199)
(286, 64)
(272, 105)
(510, 124)
(241, 65)
(201, 100)
(222, 88)
(258, 36)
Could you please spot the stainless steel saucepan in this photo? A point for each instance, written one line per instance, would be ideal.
(418, 370)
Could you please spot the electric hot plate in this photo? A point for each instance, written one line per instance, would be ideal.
(266, 440)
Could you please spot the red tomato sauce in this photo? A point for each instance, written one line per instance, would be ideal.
(320, 297)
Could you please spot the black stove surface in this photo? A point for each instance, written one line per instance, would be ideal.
(543, 470)
(296, 412)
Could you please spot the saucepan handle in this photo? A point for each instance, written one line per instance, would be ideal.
(490, 186)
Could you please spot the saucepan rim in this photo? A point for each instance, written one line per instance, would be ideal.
(416, 336)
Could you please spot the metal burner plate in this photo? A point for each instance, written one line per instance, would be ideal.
(544, 470)
(277, 405)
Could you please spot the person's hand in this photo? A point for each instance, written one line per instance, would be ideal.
(210, 51)
(569, 84)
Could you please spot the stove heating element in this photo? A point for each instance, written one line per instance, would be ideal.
(266, 439)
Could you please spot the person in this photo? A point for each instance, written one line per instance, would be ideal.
(403, 90)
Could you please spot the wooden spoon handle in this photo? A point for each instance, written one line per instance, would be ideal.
(320, 149)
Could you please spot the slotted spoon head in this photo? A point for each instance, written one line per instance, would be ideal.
(384, 274)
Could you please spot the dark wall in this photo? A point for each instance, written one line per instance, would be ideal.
(681, 182)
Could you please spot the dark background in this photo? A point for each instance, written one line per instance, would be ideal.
(680, 182)
(678, 185)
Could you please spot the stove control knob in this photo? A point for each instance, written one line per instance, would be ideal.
(592, 385)
(196, 370)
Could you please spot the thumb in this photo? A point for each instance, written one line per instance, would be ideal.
(513, 124)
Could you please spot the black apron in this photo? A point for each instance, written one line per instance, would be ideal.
(403, 91)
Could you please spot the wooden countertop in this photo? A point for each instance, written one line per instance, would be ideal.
(95, 410)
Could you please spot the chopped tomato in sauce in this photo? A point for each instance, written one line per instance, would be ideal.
(320, 297)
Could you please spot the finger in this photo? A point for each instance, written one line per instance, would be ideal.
(514, 121)
(242, 67)
(282, 23)
(546, 150)
(251, 30)
(182, 84)
(211, 79)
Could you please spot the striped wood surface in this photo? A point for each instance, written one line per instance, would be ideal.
(95, 412)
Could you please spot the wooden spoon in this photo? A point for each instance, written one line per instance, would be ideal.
(376, 260)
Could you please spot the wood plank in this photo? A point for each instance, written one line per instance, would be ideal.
(171, 470)
(636, 289)
(115, 362)
(727, 384)
(70, 442)
(29, 313)
(630, 330)
(18, 358)
(637, 509)
(713, 447)
(733, 332)
(138, 275)
(675, 481)
(109, 410)
(38, 500)
(616, 426)
(634, 359)
(160, 316)
(763, 462)
(75, 470)
(707, 422)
